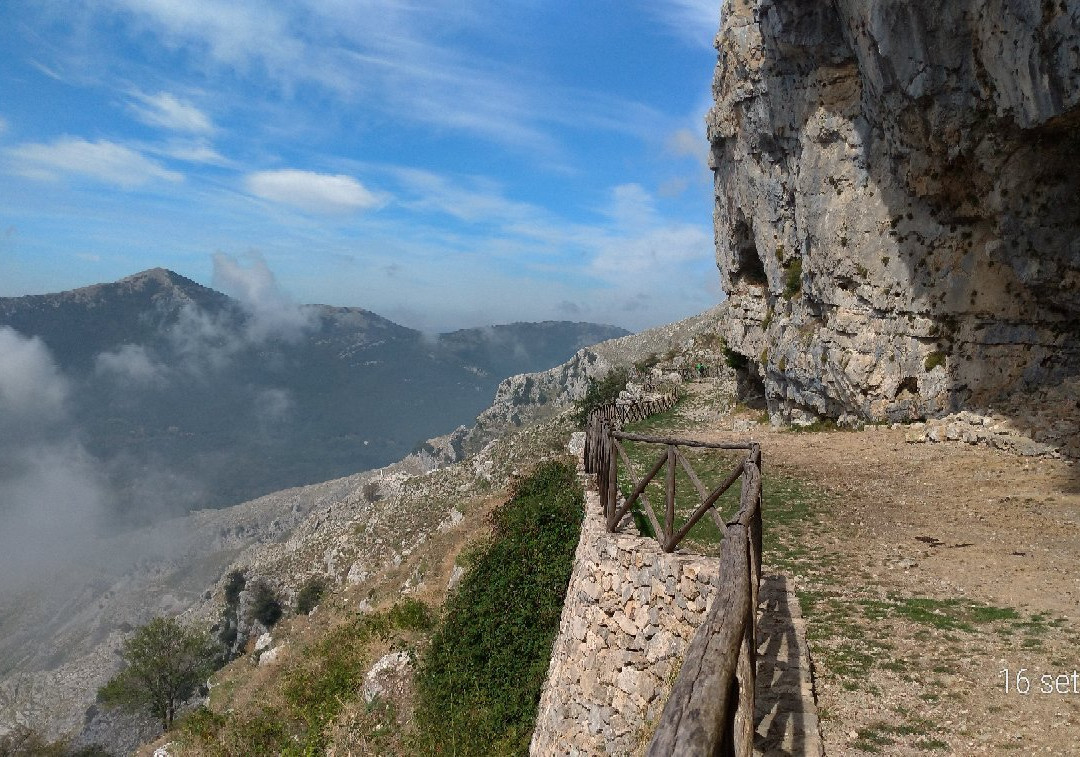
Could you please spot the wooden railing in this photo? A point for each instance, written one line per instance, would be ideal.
(711, 707)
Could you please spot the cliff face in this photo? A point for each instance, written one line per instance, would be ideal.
(898, 200)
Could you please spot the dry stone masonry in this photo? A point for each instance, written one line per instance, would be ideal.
(629, 615)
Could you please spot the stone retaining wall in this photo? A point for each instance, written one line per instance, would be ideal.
(629, 615)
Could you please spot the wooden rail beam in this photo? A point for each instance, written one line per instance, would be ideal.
(683, 442)
(699, 718)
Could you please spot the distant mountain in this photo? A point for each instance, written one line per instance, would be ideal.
(189, 398)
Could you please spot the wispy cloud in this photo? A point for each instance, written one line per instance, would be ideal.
(313, 192)
(465, 198)
(192, 151)
(104, 161)
(169, 112)
(130, 363)
(231, 32)
(687, 143)
(31, 386)
(397, 57)
(696, 21)
(51, 488)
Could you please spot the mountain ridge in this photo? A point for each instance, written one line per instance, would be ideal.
(235, 397)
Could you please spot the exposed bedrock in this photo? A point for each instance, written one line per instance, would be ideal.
(898, 200)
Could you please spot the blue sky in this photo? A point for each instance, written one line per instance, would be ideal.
(445, 163)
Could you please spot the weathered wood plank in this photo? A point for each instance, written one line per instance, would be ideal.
(702, 491)
(698, 717)
(682, 442)
(669, 500)
(638, 493)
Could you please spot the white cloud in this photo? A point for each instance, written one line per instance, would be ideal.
(313, 192)
(229, 31)
(195, 152)
(471, 199)
(632, 207)
(636, 258)
(696, 21)
(104, 161)
(169, 112)
(50, 488)
(272, 313)
(132, 363)
(31, 386)
(685, 142)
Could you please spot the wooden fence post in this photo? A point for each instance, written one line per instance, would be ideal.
(669, 514)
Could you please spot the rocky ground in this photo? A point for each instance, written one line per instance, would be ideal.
(939, 583)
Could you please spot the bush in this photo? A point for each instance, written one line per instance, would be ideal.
(265, 605)
(310, 594)
(933, 360)
(411, 614)
(234, 584)
(600, 393)
(793, 279)
(479, 683)
(370, 492)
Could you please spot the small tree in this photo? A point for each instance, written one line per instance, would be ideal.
(600, 393)
(165, 663)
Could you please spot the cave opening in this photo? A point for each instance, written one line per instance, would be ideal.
(749, 267)
(750, 387)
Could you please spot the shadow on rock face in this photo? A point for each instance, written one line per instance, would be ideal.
(897, 221)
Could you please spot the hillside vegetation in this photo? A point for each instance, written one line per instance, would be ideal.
(459, 667)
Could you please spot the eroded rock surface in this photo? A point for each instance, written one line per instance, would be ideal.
(897, 201)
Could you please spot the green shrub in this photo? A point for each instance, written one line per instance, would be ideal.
(933, 360)
(478, 686)
(310, 594)
(234, 584)
(600, 393)
(265, 605)
(411, 614)
(793, 278)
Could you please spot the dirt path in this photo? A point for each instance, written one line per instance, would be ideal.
(924, 572)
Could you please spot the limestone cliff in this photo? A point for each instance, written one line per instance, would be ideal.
(898, 200)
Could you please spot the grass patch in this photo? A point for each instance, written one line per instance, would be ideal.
(793, 279)
(479, 684)
(933, 360)
(316, 687)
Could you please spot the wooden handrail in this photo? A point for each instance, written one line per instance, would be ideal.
(682, 442)
(711, 707)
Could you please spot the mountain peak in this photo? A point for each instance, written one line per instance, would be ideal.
(160, 276)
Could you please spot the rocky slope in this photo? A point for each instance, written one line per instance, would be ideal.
(361, 532)
(897, 223)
